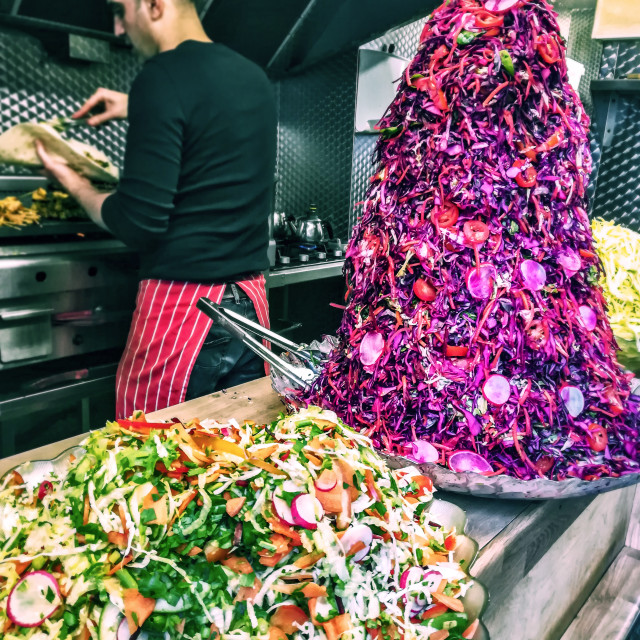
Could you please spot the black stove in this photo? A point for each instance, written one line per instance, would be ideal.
(293, 253)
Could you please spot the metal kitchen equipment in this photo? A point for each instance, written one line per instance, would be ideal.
(67, 294)
(311, 230)
(245, 330)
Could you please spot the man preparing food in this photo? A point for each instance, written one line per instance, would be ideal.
(194, 199)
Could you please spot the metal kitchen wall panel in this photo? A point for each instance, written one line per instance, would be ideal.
(618, 187)
(34, 86)
(315, 140)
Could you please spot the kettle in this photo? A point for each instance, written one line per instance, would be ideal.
(283, 226)
(311, 229)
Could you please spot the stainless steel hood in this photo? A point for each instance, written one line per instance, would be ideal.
(282, 36)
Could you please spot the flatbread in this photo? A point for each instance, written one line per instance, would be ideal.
(17, 146)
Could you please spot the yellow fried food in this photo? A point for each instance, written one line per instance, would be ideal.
(14, 214)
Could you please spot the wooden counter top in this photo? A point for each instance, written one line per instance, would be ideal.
(540, 561)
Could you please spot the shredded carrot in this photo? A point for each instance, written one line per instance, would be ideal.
(266, 466)
(123, 563)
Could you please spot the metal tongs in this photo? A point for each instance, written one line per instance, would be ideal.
(242, 328)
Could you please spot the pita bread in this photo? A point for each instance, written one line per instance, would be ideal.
(17, 146)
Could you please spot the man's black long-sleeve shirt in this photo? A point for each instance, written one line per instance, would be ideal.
(195, 194)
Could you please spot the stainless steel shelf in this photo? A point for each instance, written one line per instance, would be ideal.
(306, 273)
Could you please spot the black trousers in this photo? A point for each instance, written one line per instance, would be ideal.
(224, 361)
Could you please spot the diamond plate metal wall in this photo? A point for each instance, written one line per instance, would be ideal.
(617, 191)
(315, 140)
(33, 86)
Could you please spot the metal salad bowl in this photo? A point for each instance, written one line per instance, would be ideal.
(441, 512)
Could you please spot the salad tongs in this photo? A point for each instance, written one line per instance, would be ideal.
(243, 328)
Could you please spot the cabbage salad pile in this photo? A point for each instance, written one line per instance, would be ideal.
(205, 530)
(474, 323)
(619, 250)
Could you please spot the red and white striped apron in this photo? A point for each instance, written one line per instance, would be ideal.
(166, 335)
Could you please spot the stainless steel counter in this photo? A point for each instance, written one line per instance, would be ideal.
(293, 275)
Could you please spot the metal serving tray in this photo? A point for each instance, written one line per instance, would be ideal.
(449, 515)
(500, 486)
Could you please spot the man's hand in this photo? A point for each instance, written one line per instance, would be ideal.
(115, 104)
(77, 186)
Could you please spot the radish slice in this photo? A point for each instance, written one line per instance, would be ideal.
(422, 451)
(589, 317)
(433, 579)
(371, 348)
(354, 534)
(480, 285)
(303, 511)
(462, 461)
(573, 400)
(123, 630)
(328, 480)
(570, 262)
(533, 275)
(411, 575)
(496, 389)
(283, 511)
(500, 6)
(33, 599)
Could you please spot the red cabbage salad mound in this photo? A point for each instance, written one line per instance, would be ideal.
(475, 333)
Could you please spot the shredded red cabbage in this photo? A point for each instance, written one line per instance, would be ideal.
(485, 128)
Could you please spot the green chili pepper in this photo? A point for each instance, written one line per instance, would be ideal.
(507, 63)
(465, 37)
(126, 579)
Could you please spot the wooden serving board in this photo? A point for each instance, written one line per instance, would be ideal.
(540, 561)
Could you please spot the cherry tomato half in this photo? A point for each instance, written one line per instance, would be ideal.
(475, 232)
(445, 216)
(548, 49)
(538, 334)
(485, 19)
(597, 437)
(424, 290)
(544, 463)
(528, 176)
(454, 351)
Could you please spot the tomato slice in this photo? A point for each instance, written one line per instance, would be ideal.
(424, 290)
(445, 216)
(528, 177)
(434, 611)
(548, 49)
(544, 463)
(485, 19)
(597, 437)
(454, 351)
(475, 232)
(538, 334)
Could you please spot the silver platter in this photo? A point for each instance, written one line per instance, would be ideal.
(445, 513)
(501, 486)
(510, 488)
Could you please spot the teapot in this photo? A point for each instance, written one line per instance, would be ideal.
(283, 226)
(311, 229)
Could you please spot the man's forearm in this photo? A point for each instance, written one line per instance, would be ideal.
(91, 200)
